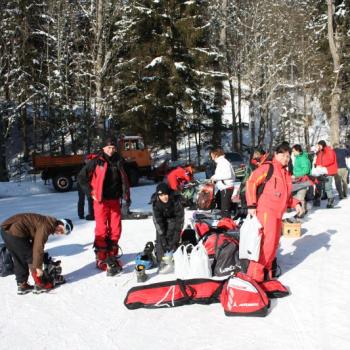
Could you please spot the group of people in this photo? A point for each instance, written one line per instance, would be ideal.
(266, 192)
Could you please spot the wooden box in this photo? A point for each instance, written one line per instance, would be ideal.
(291, 229)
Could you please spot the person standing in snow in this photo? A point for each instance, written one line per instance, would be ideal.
(223, 178)
(105, 180)
(269, 206)
(25, 236)
(81, 199)
(301, 168)
(168, 218)
(326, 157)
(341, 177)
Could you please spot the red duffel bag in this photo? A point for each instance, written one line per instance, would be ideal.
(174, 293)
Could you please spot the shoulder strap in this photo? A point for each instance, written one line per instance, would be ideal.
(261, 187)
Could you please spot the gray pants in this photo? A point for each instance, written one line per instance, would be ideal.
(328, 187)
(301, 196)
(341, 182)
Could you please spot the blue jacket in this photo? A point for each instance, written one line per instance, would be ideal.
(341, 154)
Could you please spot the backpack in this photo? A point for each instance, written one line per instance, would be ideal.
(6, 262)
(242, 296)
(222, 249)
(205, 199)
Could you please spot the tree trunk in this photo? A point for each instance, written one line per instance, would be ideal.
(24, 124)
(3, 168)
(98, 68)
(336, 91)
(239, 109)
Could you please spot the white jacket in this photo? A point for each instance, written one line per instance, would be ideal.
(224, 176)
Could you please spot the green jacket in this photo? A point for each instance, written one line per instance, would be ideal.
(302, 165)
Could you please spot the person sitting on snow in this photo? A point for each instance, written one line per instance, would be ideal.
(168, 218)
(178, 177)
(25, 236)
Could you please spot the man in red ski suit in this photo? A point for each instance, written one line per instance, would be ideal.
(326, 157)
(104, 178)
(178, 177)
(269, 207)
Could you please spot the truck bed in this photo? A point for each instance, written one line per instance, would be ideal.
(43, 162)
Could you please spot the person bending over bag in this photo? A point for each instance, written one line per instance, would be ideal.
(168, 218)
(25, 236)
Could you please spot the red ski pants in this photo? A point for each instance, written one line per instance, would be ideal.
(108, 222)
(271, 233)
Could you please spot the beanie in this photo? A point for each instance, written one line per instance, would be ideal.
(163, 188)
(67, 224)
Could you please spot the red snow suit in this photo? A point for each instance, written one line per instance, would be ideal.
(327, 159)
(179, 176)
(270, 206)
(107, 209)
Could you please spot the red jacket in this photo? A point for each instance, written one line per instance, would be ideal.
(178, 176)
(277, 193)
(92, 176)
(327, 159)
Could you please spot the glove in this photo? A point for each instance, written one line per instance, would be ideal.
(42, 281)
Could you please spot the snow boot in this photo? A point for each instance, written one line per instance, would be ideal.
(167, 264)
(101, 256)
(330, 203)
(317, 202)
(24, 288)
(113, 266)
(141, 273)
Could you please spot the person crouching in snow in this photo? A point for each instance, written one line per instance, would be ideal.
(168, 218)
(105, 179)
(25, 236)
(178, 177)
(268, 199)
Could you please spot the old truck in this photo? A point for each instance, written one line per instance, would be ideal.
(62, 170)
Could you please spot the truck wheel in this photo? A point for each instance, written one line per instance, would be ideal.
(133, 176)
(62, 183)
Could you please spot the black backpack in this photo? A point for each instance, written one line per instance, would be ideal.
(6, 262)
(226, 259)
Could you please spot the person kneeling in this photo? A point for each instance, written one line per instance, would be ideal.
(168, 218)
(25, 236)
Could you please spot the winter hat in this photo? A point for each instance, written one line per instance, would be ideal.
(163, 188)
(109, 141)
(67, 224)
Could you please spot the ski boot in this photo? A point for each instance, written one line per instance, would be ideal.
(317, 202)
(113, 266)
(167, 263)
(141, 273)
(101, 256)
(24, 288)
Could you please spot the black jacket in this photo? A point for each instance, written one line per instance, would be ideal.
(168, 217)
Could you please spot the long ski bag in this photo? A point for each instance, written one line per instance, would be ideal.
(242, 296)
(174, 293)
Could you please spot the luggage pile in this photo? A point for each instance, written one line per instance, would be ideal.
(208, 270)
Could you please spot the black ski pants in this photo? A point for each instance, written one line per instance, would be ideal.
(81, 203)
(21, 250)
(224, 203)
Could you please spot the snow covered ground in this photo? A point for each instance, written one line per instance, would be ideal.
(88, 311)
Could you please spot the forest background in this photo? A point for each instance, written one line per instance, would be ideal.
(72, 71)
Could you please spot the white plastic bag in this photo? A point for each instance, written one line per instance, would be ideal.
(250, 238)
(182, 262)
(199, 262)
(318, 171)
